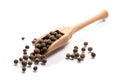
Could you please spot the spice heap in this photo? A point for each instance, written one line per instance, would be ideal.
(80, 56)
(44, 43)
(37, 56)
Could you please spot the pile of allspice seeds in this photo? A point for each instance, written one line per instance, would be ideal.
(40, 47)
(80, 56)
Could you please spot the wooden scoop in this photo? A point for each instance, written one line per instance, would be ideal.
(69, 31)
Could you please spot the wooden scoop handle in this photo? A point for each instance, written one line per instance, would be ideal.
(102, 15)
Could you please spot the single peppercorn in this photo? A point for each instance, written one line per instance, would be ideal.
(44, 49)
(36, 50)
(29, 63)
(82, 55)
(79, 59)
(20, 59)
(72, 56)
(37, 60)
(93, 54)
(23, 38)
(23, 69)
(68, 55)
(32, 57)
(42, 57)
(75, 50)
(15, 61)
(44, 61)
(83, 49)
(24, 50)
(25, 57)
(24, 63)
(76, 55)
(27, 46)
(90, 48)
(43, 44)
(38, 45)
(40, 41)
(85, 43)
(75, 47)
(35, 68)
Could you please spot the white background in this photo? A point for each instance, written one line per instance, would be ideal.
(33, 18)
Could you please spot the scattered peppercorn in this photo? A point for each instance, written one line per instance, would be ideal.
(93, 54)
(24, 63)
(75, 50)
(24, 50)
(25, 57)
(20, 59)
(68, 55)
(76, 55)
(44, 61)
(15, 61)
(27, 46)
(23, 69)
(85, 43)
(35, 68)
(23, 38)
(90, 48)
(75, 47)
(72, 56)
(83, 49)
(79, 59)
(82, 55)
(29, 63)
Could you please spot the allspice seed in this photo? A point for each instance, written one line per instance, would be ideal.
(93, 54)
(75, 50)
(20, 59)
(68, 55)
(85, 43)
(35, 68)
(79, 59)
(24, 63)
(76, 54)
(25, 57)
(72, 56)
(90, 48)
(27, 46)
(23, 38)
(15, 61)
(75, 47)
(44, 61)
(82, 55)
(83, 49)
(29, 63)
(36, 50)
(23, 69)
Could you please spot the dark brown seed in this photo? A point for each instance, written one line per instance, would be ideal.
(42, 57)
(27, 46)
(47, 36)
(52, 33)
(29, 63)
(44, 61)
(24, 63)
(82, 55)
(38, 45)
(24, 50)
(72, 56)
(32, 57)
(76, 55)
(68, 55)
(49, 42)
(15, 61)
(75, 50)
(20, 59)
(58, 36)
(44, 49)
(90, 48)
(33, 41)
(79, 59)
(37, 60)
(52, 38)
(75, 47)
(43, 44)
(23, 38)
(85, 43)
(25, 57)
(36, 50)
(83, 49)
(35, 68)
(38, 56)
(23, 69)
(40, 41)
(93, 54)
